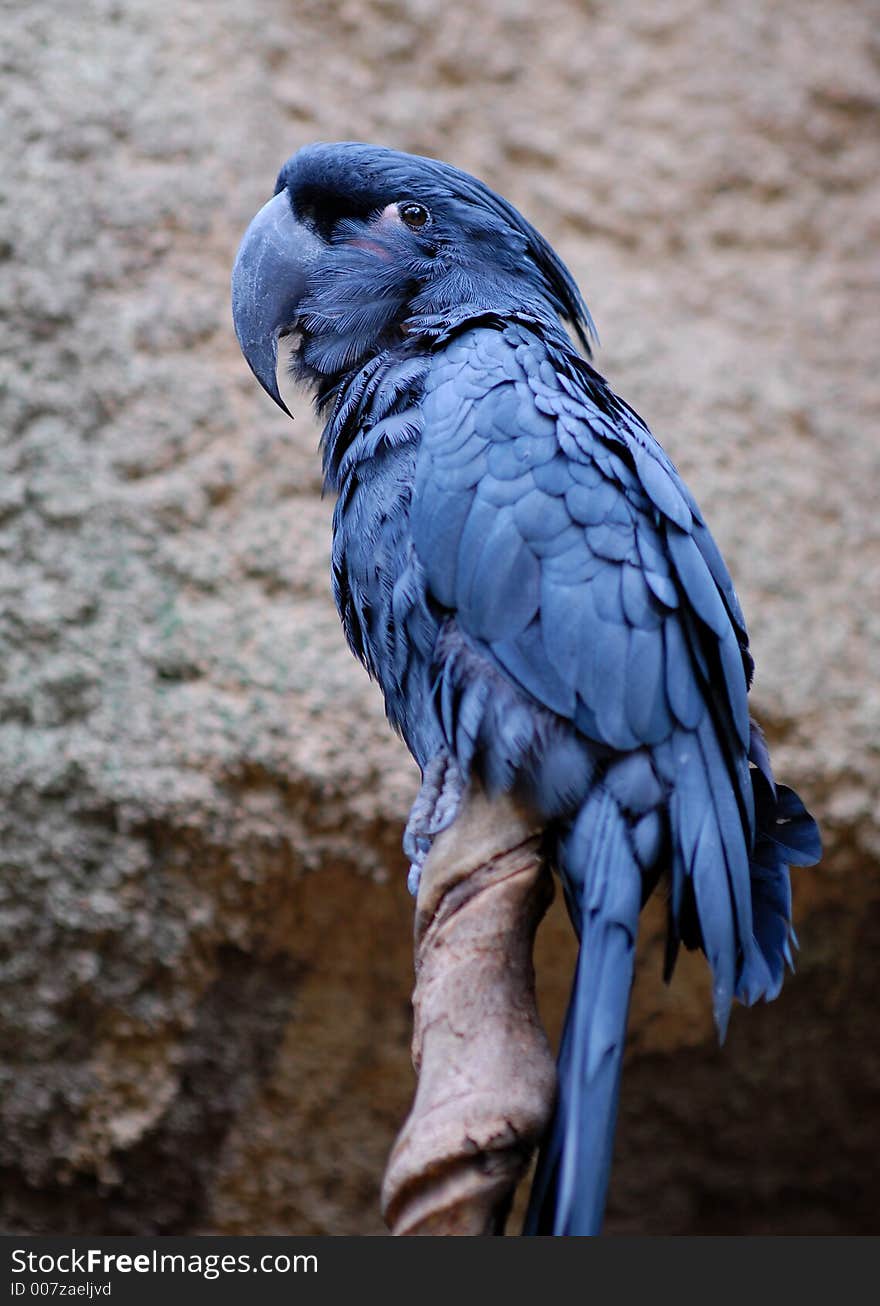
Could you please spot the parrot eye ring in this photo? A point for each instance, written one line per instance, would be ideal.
(414, 215)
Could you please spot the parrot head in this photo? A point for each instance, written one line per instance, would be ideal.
(362, 246)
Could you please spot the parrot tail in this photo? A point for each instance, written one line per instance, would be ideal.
(603, 888)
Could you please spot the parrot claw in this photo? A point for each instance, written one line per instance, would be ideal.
(436, 807)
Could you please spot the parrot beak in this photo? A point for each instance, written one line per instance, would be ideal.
(268, 281)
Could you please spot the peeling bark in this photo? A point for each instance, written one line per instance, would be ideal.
(486, 1074)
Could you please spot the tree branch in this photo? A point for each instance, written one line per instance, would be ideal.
(486, 1074)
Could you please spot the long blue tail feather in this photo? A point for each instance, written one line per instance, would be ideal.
(739, 898)
(603, 888)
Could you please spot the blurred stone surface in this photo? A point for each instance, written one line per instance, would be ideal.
(206, 940)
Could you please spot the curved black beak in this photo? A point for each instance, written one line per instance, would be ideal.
(268, 282)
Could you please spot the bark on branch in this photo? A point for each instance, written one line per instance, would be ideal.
(486, 1074)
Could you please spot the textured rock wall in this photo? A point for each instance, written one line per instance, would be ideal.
(205, 934)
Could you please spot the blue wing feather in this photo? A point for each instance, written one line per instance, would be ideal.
(586, 574)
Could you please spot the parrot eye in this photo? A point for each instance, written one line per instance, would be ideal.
(414, 215)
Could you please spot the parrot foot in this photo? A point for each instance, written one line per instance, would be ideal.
(436, 807)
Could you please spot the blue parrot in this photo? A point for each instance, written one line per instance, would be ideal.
(519, 565)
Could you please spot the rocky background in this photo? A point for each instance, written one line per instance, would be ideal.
(206, 938)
